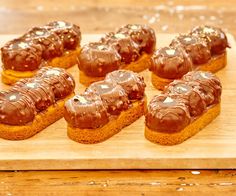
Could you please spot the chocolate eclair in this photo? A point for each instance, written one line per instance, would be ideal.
(105, 107)
(206, 47)
(133, 45)
(56, 44)
(167, 64)
(183, 108)
(33, 104)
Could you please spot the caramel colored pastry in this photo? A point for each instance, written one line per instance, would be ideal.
(169, 63)
(105, 107)
(56, 44)
(33, 104)
(183, 109)
(206, 47)
(128, 48)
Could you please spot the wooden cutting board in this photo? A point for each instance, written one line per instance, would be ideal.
(213, 147)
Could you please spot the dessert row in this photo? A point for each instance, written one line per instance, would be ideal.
(56, 44)
(203, 48)
(107, 106)
(129, 47)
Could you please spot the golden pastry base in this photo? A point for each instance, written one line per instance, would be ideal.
(91, 136)
(40, 122)
(178, 137)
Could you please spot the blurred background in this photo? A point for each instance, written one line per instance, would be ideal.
(100, 16)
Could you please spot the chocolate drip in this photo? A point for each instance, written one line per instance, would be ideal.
(69, 33)
(50, 42)
(125, 46)
(97, 59)
(187, 91)
(21, 55)
(113, 95)
(142, 35)
(214, 36)
(16, 108)
(197, 47)
(61, 81)
(167, 113)
(170, 62)
(40, 92)
(208, 84)
(86, 111)
(132, 83)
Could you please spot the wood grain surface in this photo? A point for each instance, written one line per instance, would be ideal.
(51, 149)
(109, 183)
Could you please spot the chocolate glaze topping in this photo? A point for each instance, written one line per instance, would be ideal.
(86, 111)
(142, 35)
(98, 59)
(197, 47)
(125, 46)
(132, 83)
(61, 81)
(27, 52)
(189, 92)
(183, 101)
(170, 62)
(27, 97)
(207, 84)
(21, 55)
(167, 113)
(214, 36)
(50, 42)
(104, 100)
(113, 95)
(39, 91)
(69, 33)
(16, 108)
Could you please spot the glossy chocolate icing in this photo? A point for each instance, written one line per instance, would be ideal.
(86, 111)
(208, 84)
(113, 95)
(170, 62)
(132, 83)
(214, 36)
(40, 92)
(125, 46)
(69, 33)
(143, 35)
(189, 92)
(61, 81)
(50, 42)
(167, 113)
(183, 101)
(97, 59)
(21, 55)
(196, 47)
(16, 108)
